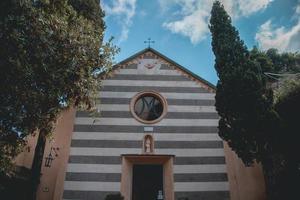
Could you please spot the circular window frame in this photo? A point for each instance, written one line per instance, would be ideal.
(149, 93)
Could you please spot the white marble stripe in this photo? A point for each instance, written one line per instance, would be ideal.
(94, 168)
(171, 108)
(115, 186)
(91, 151)
(91, 186)
(151, 83)
(168, 95)
(139, 136)
(177, 169)
(189, 169)
(134, 122)
(200, 186)
(192, 109)
(143, 72)
(112, 107)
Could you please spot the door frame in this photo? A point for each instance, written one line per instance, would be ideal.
(128, 160)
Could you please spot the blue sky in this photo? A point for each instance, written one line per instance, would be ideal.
(180, 28)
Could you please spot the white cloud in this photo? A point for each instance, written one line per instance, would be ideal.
(193, 25)
(247, 7)
(194, 15)
(297, 9)
(281, 38)
(124, 11)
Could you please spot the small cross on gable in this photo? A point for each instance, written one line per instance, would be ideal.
(149, 42)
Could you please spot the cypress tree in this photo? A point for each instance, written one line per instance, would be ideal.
(254, 126)
(243, 102)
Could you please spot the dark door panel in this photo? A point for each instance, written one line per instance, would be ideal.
(147, 182)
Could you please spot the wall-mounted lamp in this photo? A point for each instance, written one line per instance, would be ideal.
(50, 158)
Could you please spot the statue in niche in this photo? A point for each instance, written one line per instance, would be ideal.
(148, 144)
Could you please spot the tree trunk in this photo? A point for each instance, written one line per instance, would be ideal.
(37, 164)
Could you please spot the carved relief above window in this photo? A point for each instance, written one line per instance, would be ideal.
(150, 65)
(148, 107)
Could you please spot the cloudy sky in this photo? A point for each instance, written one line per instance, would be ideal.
(180, 28)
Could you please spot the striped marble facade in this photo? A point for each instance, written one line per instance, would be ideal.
(188, 131)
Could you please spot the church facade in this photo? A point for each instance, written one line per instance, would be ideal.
(156, 138)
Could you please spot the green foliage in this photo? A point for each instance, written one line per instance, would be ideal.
(284, 62)
(242, 100)
(287, 98)
(89, 9)
(273, 61)
(287, 89)
(265, 63)
(284, 173)
(51, 55)
(15, 186)
(255, 126)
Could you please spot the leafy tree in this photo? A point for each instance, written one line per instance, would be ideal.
(284, 62)
(275, 62)
(242, 100)
(51, 55)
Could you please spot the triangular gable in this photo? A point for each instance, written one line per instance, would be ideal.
(194, 77)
